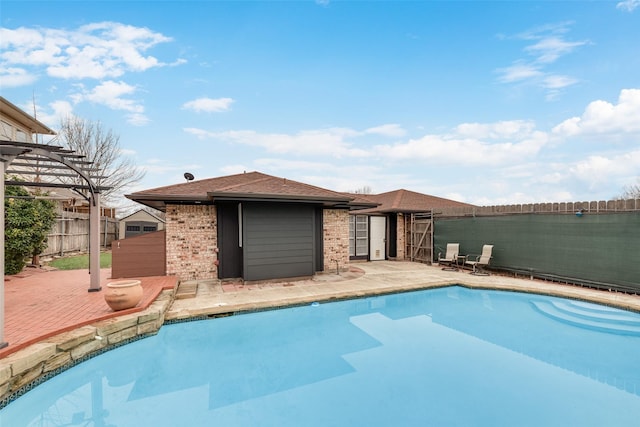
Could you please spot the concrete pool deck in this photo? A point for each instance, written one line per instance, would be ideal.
(369, 278)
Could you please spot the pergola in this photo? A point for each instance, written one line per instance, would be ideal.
(43, 160)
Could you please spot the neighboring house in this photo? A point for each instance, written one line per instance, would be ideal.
(139, 222)
(379, 231)
(251, 226)
(16, 125)
(70, 201)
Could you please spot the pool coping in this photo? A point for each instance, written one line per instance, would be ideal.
(375, 280)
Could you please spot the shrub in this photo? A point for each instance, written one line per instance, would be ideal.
(27, 223)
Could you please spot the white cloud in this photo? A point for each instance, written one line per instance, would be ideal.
(208, 105)
(498, 143)
(470, 143)
(164, 168)
(329, 142)
(297, 165)
(502, 129)
(138, 119)
(96, 51)
(519, 72)
(549, 48)
(14, 77)
(391, 130)
(199, 133)
(127, 152)
(599, 171)
(456, 149)
(558, 81)
(331, 174)
(112, 94)
(234, 169)
(100, 51)
(548, 45)
(602, 117)
(628, 5)
(61, 110)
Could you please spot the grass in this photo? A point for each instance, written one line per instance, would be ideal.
(80, 262)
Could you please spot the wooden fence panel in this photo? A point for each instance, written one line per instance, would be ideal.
(139, 256)
(70, 233)
(419, 238)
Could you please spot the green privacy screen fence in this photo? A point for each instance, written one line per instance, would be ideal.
(594, 249)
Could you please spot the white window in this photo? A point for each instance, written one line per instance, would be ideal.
(6, 131)
(21, 136)
(358, 235)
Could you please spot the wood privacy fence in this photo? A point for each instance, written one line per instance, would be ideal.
(419, 237)
(139, 256)
(70, 233)
(610, 206)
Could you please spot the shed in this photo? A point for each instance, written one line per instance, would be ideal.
(251, 226)
(139, 222)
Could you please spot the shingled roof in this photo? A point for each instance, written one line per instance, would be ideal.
(406, 201)
(248, 186)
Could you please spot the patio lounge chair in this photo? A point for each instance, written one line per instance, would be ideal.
(478, 262)
(450, 257)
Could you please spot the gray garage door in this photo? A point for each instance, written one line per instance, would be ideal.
(278, 241)
(133, 228)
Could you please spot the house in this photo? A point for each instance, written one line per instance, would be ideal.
(251, 226)
(381, 225)
(18, 126)
(68, 200)
(139, 222)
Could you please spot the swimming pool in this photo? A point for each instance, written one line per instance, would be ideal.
(444, 357)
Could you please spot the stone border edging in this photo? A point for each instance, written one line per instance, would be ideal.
(28, 367)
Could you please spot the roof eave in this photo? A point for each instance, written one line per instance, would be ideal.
(258, 197)
(160, 202)
(20, 116)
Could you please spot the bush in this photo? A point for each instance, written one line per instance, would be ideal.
(27, 223)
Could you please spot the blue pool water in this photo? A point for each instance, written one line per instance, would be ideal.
(444, 357)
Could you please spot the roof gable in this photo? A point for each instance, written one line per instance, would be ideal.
(408, 201)
(142, 212)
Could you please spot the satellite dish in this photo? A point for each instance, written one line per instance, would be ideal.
(188, 176)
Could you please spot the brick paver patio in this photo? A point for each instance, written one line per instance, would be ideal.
(41, 303)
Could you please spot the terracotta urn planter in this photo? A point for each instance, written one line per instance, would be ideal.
(123, 294)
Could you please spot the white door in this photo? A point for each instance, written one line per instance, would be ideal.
(377, 238)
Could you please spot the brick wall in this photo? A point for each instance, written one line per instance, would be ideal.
(192, 239)
(335, 229)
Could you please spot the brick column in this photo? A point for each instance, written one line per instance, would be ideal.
(192, 239)
(336, 239)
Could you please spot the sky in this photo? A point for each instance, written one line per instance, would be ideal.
(484, 102)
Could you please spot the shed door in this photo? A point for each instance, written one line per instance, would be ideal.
(278, 240)
(230, 255)
(377, 238)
